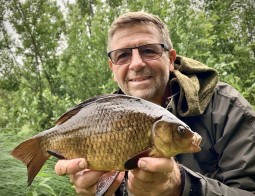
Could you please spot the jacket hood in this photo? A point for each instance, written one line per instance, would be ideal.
(193, 84)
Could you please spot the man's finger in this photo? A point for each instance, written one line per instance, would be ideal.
(86, 178)
(142, 175)
(151, 164)
(88, 191)
(64, 167)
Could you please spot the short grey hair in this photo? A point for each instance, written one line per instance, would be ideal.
(134, 18)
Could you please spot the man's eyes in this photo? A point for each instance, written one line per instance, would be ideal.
(149, 51)
(122, 55)
(146, 51)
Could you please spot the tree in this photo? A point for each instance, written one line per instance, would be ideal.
(51, 60)
(38, 25)
(233, 48)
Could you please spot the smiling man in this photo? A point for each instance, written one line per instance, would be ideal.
(141, 63)
(145, 65)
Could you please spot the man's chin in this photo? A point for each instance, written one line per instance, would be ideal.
(143, 95)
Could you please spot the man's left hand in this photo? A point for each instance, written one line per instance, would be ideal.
(155, 176)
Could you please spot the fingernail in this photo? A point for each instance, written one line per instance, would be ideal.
(82, 164)
(71, 180)
(142, 164)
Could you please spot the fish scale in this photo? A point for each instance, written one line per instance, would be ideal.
(111, 132)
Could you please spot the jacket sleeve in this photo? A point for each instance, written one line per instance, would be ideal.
(197, 184)
(232, 122)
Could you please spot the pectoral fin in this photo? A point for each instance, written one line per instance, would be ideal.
(56, 154)
(132, 162)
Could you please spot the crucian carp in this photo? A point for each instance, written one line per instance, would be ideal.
(111, 132)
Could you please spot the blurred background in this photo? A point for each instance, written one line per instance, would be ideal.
(53, 56)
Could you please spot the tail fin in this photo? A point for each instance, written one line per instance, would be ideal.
(30, 153)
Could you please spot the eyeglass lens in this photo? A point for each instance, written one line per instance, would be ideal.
(147, 52)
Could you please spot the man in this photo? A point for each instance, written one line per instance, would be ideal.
(144, 64)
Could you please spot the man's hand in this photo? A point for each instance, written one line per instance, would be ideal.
(155, 176)
(84, 180)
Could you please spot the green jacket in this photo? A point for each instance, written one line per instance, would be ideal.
(226, 163)
(226, 122)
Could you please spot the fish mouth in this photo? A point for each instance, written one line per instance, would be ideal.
(196, 141)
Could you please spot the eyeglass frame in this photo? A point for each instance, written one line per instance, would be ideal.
(164, 47)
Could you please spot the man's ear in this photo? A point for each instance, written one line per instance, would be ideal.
(172, 58)
(110, 64)
(111, 68)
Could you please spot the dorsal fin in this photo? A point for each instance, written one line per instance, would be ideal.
(74, 110)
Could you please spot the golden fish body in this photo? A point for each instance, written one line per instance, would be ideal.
(108, 131)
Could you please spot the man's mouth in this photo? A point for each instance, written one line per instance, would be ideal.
(139, 79)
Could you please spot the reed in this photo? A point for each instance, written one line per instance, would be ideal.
(13, 175)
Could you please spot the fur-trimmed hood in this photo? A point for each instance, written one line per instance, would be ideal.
(193, 85)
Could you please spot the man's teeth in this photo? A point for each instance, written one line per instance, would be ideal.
(139, 79)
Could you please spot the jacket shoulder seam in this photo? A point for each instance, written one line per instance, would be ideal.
(234, 100)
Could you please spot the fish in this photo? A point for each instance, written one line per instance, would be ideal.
(111, 132)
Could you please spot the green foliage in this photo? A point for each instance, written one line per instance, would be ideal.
(83, 66)
(13, 176)
(58, 60)
(51, 59)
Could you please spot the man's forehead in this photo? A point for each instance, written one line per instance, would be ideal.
(135, 26)
(146, 33)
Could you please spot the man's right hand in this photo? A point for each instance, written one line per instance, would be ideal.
(84, 180)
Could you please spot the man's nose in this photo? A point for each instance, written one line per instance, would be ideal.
(136, 60)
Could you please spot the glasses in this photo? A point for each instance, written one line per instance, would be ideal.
(147, 52)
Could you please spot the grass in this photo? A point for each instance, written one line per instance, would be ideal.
(13, 175)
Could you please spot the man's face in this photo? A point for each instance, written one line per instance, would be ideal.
(144, 79)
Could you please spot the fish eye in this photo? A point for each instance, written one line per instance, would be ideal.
(181, 129)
